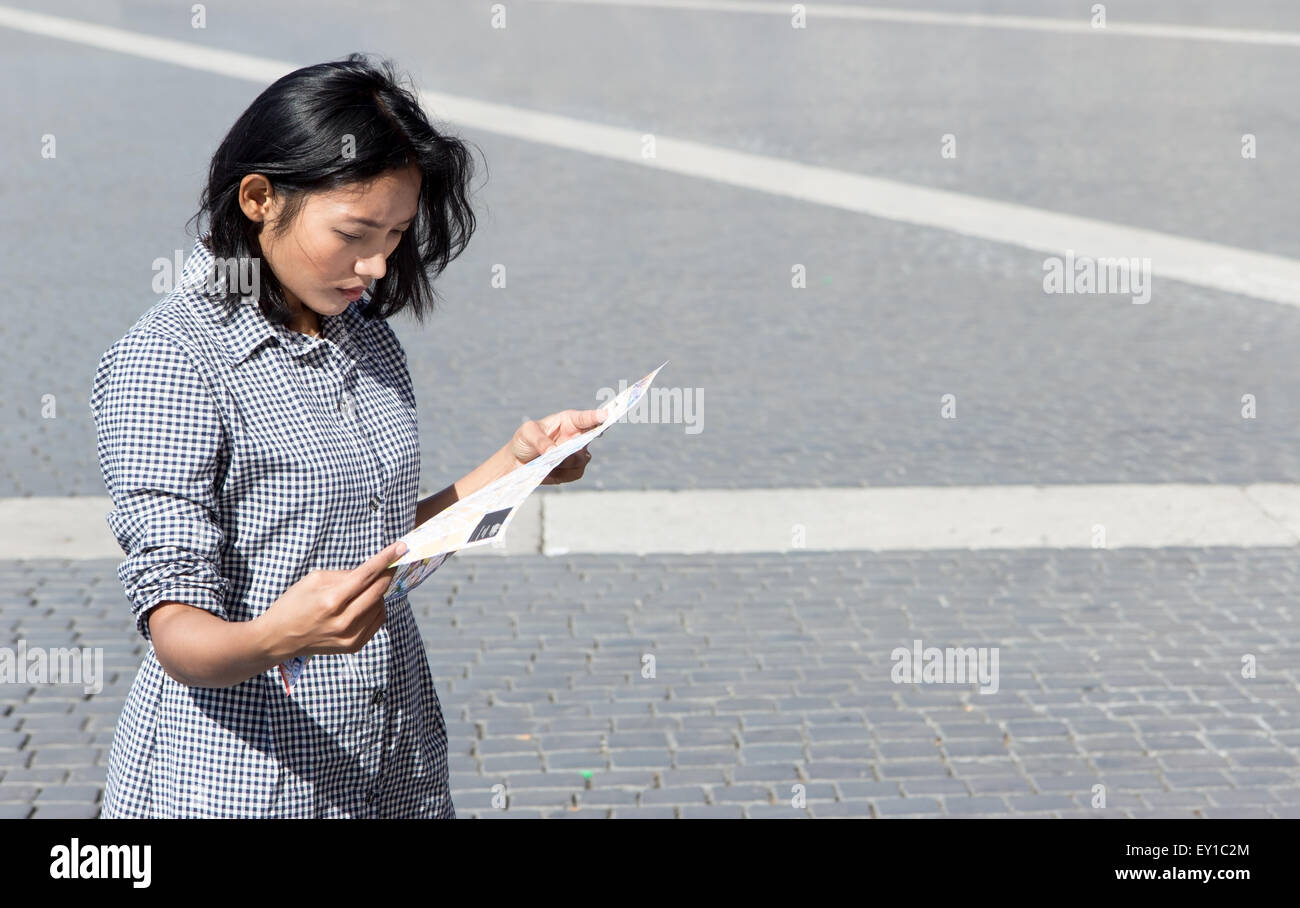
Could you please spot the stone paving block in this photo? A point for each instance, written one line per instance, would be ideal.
(1253, 759)
(45, 739)
(713, 812)
(644, 813)
(608, 797)
(644, 739)
(914, 769)
(69, 793)
(469, 799)
(1044, 747)
(1240, 797)
(975, 806)
(666, 723)
(1029, 803)
(612, 778)
(52, 722)
(810, 791)
(576, 760)
(707, 757)
(752, 737)
(1008, 785)
(906, 806)
(669, 778)
(561, 778)
(633, 758)
(65, 812)
(768, 812)
(1117, 763)
(569, 725)
(1132, 781)
(1175, 799)
(864, 788)
(512, 762)
(1252, 778)
(855, 809)
(751, 720)
(518, 813)
(540, 798)
(762, 753)
(894, 750)
(975, 748)
(1236, 813)
(96, 774)
(679, 795)
(938, 785)
(1190, 760)
(773, 773)
(15, 792)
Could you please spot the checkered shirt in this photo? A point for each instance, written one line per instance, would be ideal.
(241, 455)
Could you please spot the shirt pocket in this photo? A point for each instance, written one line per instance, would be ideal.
(291, 466)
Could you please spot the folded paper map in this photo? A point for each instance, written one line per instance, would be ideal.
(483, 517)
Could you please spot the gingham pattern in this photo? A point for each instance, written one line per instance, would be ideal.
(241, 455)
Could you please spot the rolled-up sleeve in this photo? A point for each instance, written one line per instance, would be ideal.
(161, 446)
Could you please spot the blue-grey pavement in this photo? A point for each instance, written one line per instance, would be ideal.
(771, 682)
(612, 268)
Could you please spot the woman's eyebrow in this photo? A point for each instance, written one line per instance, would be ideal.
(370, 223)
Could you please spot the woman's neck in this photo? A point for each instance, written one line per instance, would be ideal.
(303, 320)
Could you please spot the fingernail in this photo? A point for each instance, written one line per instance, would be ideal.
(401, 548)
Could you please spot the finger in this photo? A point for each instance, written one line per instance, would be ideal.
(558, 475)
(371, 598)
(551, 424)
(375, 624)
(578, 460)
(589, 419)
(582, 420)
(369, 571)
(534, 434)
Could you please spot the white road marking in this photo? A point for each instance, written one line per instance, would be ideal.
(1082, 25)
(1260, 275)
(920, 518)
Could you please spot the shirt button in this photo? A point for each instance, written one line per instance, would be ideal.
(370, 796)
(346, 406)
(377, 697)
(375, 502)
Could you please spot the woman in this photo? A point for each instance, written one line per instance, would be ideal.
(257, 432)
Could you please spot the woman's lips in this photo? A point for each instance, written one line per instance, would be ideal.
(353, 295)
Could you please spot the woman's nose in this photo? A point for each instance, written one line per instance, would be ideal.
(373, 269)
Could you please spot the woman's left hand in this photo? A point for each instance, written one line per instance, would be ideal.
(535, 437)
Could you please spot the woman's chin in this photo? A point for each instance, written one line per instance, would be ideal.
(337, 303)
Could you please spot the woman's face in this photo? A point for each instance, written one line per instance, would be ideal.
(340, 241)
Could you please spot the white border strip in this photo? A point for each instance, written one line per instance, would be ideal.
(1267, 277)
(918, 518)
(841, 12)
(922, 518)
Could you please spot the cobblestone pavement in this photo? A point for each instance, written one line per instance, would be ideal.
(772, 681)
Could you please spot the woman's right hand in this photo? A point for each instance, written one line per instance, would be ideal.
(334, 611)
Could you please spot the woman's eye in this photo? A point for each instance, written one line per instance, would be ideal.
(348, 235)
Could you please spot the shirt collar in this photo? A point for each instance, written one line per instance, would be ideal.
(248, 329)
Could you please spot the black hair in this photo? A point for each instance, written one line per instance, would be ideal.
(293, 135)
